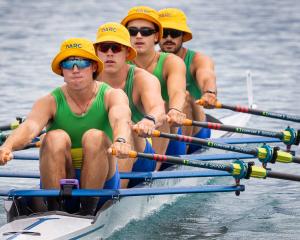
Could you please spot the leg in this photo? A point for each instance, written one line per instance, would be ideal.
(55, 161)
(97, 168)
(160, 144)
(198, 132)
(188, 110)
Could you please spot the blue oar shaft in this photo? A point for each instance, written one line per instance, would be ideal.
(134, 175)
(123, 192)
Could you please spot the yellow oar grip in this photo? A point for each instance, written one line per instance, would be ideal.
(258, 172)
(14, 125)
(155, 133)
(201, 102)
(187, 122)
(284, 157)
(133, 154)
(218, 104)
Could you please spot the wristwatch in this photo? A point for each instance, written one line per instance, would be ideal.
(211, 91)
(120, 139)
(150, 117)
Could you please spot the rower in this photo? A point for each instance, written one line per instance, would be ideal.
(145, 32)
(84, 119)
(200, 75)
(113, 47)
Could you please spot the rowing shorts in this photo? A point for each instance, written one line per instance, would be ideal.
(174, 148)
(143, 165)
(203, 133)
(113, 183)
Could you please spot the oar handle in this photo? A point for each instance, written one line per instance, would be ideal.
(202, 103)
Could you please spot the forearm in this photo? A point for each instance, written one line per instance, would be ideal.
(159, 115)
(20, 137)
(122, 129)
(177, 100)
(207, 82)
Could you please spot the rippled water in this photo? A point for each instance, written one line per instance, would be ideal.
(240, 35)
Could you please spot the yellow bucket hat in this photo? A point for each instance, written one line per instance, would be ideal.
(115, 32)
(77, 47)
(175, 19)
(146, 13)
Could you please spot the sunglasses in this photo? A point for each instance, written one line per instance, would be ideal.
(145, 31)
(80, 63)
(115, 47)
(172, 32)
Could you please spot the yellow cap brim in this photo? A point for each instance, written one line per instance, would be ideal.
(75, 53)
(136, 16)
(187, 32)
(132, 52)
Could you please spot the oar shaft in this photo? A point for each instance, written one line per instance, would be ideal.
(245, 109)
(284, 176)
(223, 127)
(181, 161)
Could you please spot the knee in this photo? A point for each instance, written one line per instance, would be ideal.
(95, 138)
(56, 140)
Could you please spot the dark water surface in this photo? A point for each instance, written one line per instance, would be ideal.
(260, 36)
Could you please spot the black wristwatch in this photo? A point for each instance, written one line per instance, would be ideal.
(210, 91)
(150, 117)
(120, 139)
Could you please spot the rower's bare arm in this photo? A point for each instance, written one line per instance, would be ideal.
(119, 113)
(151, 98)
(42, 111)
(175, 74)
(206, 79)
(176, 84)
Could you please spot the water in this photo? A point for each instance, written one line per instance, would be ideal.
(260, 36)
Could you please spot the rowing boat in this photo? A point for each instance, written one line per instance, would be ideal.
(122, 210)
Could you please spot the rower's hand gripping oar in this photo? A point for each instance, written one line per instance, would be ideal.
(244, 109)
(264, 153)
(238, 168)
(289, 136)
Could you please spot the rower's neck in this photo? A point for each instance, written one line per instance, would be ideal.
(115, 79)
(146, 60)
(84, 93)
(182, 52)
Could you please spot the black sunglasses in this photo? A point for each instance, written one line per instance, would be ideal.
(145, 31)
(172, 32)
(115, 47)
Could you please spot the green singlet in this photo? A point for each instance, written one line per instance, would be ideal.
(75, 125)
(191, 84)
(136, 115)
(158, 72)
